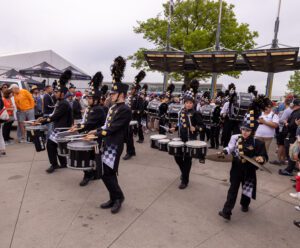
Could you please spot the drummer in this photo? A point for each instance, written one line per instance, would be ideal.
(243, 172)
(94, 118)
(113, 134)
(62, 117)
(189, 123)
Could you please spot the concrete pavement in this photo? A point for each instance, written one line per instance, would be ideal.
(38, 210)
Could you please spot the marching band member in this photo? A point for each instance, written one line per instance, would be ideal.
(243, 172)
(113, 135)
(135, 102)
(93, 118)
(163, 109)
(189, 123)
(215, 126)
(61, 117)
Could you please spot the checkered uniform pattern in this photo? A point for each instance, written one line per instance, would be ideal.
(248, 189)
(109, 155)
(53, 136)
(188, 95)
(249, 119)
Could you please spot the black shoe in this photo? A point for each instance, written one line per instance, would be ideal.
(202, 160)
(84, 181)
(127, 157)
(182, 185)
(284, 173)
(10, 138)
(51, 169)
(211, 147)
(225, 216)
(63, 166)
(297, 223)
(245, 209)
(140, 141)
(117, 206)
(107, 204)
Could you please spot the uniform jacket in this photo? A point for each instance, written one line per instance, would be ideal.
(94, 118)
(113, 134)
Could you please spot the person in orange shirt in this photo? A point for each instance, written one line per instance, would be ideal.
(25, 107)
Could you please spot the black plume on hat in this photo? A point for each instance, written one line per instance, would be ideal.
(104, 89)
(252, 89)
(171, 88)
(117, 69)
(183, 88)
(65, 77)
(231, 86)
(97, 80)
(140, 76)
(194, 85)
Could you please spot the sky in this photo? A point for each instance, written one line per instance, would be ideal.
(91, 33)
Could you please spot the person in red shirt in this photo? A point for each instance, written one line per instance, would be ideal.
(10, 110)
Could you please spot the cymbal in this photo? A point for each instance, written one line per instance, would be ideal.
(218, 158)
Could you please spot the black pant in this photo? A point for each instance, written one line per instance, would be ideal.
(185, 164)
(130, 149)
(237, 178)
(291, 164)
(53, 155)
(140, 128)
(162, 122)
(214, 136)
(111, 183)
(6, 130)
(230, 128)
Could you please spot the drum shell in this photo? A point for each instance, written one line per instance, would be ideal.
(81, 160)
(176, 151)
(154, 144)
(196, 152)
(38, 137)
(62, 149)
(163, 146)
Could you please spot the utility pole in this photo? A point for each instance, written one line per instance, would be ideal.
(217, 47)
(166, 74)
(270, 78)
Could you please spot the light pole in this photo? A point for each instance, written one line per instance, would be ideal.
(217, 47)
(270, 78)
(166, 74)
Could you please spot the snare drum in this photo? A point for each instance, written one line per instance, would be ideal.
(62, 142)
(196, 149)
(155, 138)
(36, 134)
(163, 145)
(81, 155)
(176, 148)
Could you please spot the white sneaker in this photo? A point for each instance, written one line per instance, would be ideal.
(297, 208)
(295, 195)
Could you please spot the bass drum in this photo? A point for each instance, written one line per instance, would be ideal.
(241, 105)
(207, 113)
(173, 111)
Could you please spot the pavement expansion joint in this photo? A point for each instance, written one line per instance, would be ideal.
(23, 196)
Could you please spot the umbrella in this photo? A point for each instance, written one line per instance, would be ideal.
(77, 75)
(42, 70)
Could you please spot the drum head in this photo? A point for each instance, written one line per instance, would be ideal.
(82, 145)
(158, 137)
(176, 139)
(163, 141)
(176, 144)
(132, 123)
(39, 127)
(196, 144)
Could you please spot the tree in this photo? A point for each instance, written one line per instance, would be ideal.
(294, 83)
(193, 25)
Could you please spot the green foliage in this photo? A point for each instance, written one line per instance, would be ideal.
(294, 83)
(193, 28)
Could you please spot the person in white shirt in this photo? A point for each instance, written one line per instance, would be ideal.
(268, 122)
